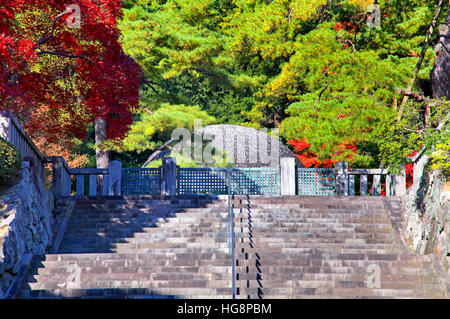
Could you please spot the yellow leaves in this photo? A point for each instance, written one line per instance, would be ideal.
(441, 157)
(303, 10)
(362, 3)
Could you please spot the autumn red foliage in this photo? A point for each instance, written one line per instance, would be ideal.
(58, 79)
(310, 159)
(346, 25)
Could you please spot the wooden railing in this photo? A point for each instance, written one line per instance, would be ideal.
(13, 132)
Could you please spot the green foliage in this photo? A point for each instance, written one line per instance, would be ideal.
(441, 157)
(10, 162)
(152, 130)
(265, 63)
(398, 139)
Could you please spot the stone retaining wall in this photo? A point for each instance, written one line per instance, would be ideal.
(25, 225)
(427, 213)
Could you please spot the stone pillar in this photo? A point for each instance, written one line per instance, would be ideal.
(376, 185)
(92, 185)
(351, 185)
(169, 176)
(102, 157)
(341, 178)
(389, 185)
(363, 185)
(287, 177)
(400, 183)
(80, 185)
(115, 178)
(57, 172)
(5, 125)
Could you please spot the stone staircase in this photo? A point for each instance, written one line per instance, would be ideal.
(286, 247)
(315, 247)
(138, 248)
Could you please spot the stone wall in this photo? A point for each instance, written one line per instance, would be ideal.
(427, 213)
(25, 225)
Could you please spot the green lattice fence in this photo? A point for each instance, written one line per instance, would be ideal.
(316, 181)
(141, 181)
(243, 181)
(255, 181)
(201, 181)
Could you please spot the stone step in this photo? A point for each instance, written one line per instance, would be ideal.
(323, 265)
(143, 205)
(295, 252)
(156, 262)
(124, 250)
(330, 235)
(138, 275)
(276, 243)
(355, 283)
(257, 231)
(217, 272)
(146, 236)
(338, 293)
(194, 220)
(315, 205)
(158, 238)
(125, 282)
(314, 218)
(131, 256)
(347, 274)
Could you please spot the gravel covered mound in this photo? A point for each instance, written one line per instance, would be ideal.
(246, 146)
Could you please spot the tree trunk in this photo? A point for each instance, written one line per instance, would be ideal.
(440, 76)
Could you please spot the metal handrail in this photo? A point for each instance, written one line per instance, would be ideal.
(231, 233)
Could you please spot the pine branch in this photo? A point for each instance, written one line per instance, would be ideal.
(319, 98)
(421, 58)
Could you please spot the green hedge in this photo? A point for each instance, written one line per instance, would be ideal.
(10, 162)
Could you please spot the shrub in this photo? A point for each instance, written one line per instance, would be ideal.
(10, 162)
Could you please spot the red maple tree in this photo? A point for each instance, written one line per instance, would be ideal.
(310, 159)
(58, 79)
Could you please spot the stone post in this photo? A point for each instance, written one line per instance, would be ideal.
(400, 183)
(169, 176)
(80, 185)
(92, 185)
(5, 125)
(115, 178)
(287, 177)
(351, 185)
(341, 178)
(57, 172)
